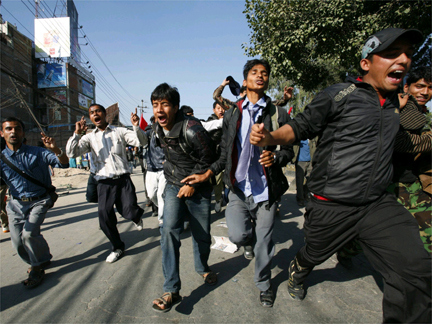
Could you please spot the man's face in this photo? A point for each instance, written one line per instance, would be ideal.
(257, 79)
(97, 116)
(164, 113)
(13, 133)
(218, 111)
(387, 69)
(421, 90)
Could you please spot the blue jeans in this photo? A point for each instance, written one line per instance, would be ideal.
(25, 220)
(175, 210)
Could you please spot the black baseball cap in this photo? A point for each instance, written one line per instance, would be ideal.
(233, 85)
(379, 41)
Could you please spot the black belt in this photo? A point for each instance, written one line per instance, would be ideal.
(28, 199)
(124, 175)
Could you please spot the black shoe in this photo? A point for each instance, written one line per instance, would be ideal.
(267, 298)
(248, 252)
(295, 290)
(345, 262)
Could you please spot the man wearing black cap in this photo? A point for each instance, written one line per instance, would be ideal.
(356, 122)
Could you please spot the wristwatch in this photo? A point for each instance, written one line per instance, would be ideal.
(60, 154)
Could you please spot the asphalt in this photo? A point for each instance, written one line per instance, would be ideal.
(80, 287)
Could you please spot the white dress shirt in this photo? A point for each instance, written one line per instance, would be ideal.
(108, 149)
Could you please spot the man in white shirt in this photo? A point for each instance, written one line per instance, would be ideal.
(108, 144)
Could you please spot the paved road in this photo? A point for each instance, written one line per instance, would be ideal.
(80, 287)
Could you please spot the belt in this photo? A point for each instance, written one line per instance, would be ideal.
(28, 199)
(124, 175)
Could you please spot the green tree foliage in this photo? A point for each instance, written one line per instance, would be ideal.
(316, 43)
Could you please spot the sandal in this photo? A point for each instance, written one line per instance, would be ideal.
(210, 278)
(167, 301)
(34, 279)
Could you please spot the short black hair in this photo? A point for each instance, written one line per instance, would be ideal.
(186, 109)
(251, 63)
(99, 106)
(13, 119)
(214, 104)
(420, 72)
(165, 91)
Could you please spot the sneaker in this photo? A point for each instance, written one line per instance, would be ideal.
(6, 229)
(186, 225)
(296, 291)
(114, 256)
(248, 252)
(139, 226)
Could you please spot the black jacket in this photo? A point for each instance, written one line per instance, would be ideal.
(352, 162)
(179, 164)
(276, 180)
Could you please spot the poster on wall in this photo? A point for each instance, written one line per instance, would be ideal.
(87, 88)
(52, 37)
(84, 102)
(51, 75)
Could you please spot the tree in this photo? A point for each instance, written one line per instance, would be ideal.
(316, 43)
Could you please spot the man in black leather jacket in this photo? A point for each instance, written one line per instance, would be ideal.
(357, 122)
(171, 128)
(253, 175)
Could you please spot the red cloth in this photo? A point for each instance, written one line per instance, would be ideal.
(143, 124)
(289, 111)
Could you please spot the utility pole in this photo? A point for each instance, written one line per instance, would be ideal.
(37, 8)
(142, 107)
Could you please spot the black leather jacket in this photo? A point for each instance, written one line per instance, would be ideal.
(352, 163)
(179, 164)
(276, 180)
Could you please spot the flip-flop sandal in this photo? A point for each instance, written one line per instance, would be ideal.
(34, 279)
(174, 298)
(210, 278)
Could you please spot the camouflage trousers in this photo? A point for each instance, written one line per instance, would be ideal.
(417, 202)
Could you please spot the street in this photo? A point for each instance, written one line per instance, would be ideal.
(80, 287)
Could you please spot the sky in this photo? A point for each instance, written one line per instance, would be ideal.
(192, 45)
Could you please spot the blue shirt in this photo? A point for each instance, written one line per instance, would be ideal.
(255, 183)
(304, 152)
(34, 161)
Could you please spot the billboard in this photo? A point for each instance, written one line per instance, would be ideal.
(84, 102)
(51, 75)
(52, 37)
(87, 88)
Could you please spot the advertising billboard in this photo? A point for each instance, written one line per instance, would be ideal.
(51, 75)
(87, 88)
(52, 37)
(84, 102)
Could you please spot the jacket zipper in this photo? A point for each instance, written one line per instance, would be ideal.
(372, 177)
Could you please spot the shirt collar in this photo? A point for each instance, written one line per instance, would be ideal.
(108, 127)
(261, 102)
(10, 152)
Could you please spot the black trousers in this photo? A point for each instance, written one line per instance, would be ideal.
(390, 239)
(120, 192)
(91, 192)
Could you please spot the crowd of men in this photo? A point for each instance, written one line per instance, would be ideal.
(369, 151)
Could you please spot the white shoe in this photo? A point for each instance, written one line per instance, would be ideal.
(186, 225)
(5, 229)
(114, 256)
(140, 225)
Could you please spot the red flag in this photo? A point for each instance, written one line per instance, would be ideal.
(143, 124)
(289, 111)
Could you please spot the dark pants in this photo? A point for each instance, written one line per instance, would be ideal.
(120, 192)
(389, 237)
